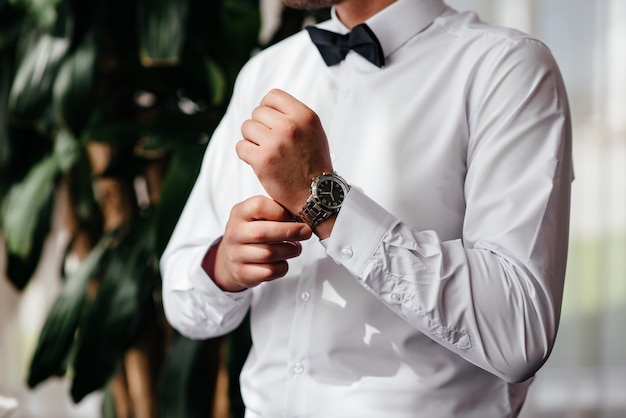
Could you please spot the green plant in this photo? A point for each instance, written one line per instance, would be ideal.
(109, 104)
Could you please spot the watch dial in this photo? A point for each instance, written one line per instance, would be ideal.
(330, 193)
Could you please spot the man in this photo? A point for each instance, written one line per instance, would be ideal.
(425, 278)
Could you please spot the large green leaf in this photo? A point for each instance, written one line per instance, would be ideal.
(21, 269)
(27, 147)
(81, 191)
(186, 382)
(73, 93)
(25, 205)
(161, 28)
(31, 91)
(105, 124)
(43, 12)
(26, 216)
(66, 150)
(57, 335)
(112, 320)
(241, 21)
(207, 77)
(181, 175)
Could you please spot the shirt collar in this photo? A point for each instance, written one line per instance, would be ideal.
(397, 23)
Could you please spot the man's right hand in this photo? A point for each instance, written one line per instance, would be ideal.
(258, 240)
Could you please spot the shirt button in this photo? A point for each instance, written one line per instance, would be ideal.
(395, 297)
(306, 295)
(221, 301)
(347, 253)
(298, 368)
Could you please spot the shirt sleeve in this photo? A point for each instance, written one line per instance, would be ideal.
(193, 304)
(493, 295)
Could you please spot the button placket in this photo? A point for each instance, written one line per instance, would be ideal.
(343, 93)
(298, 347)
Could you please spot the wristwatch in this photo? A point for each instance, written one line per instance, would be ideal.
(328, 192)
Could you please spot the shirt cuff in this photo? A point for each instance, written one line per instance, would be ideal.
(358, 231)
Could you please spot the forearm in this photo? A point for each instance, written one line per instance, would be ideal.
(482, 303)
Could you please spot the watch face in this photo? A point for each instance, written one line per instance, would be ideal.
(330, 192)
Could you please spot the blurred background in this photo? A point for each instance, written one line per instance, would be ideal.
(586, 374)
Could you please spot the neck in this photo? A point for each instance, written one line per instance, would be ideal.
(354, 12)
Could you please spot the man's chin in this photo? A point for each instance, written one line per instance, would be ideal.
(310, 4)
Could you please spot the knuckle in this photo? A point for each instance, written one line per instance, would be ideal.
(265, 254)
(272, 93)
(256, 204)
(257, 232)
(290, 128)
(310, 117)
(237, 208)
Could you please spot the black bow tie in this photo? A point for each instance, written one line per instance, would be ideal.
(334, 47)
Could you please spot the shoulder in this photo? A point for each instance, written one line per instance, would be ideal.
(489, 41)
(284, 53)
(491, 55)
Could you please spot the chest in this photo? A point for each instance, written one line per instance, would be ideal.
(403, 143)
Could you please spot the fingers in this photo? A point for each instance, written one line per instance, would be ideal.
(267, 116)
(251, 275)
(253, 264)
(267, 125)
(263, 232)
(260, 132)
(276, 109)
(238, 267)
(257, 244)
(267, 253)
(260, 208)
(260, 125)
(282, 102)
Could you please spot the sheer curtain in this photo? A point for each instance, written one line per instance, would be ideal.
(586, 374)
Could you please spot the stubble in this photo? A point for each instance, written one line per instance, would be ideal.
(310, 4)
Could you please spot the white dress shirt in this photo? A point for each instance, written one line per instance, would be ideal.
(439, 291)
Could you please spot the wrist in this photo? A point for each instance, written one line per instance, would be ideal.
(211, 266)
(325, 228)
(327, 193)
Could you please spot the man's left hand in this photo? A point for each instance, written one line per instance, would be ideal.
(286, 146)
